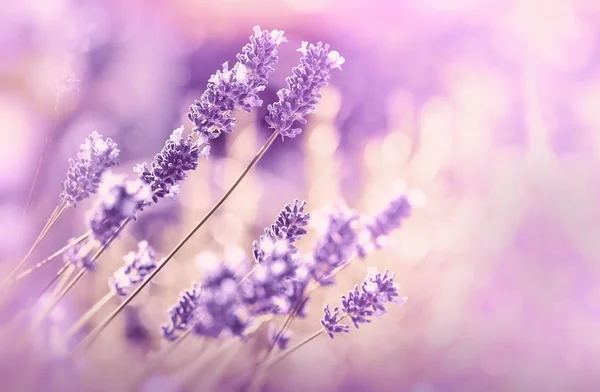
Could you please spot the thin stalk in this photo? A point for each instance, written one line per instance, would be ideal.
(49, 224)
(52, 256)
(80, 274)
(88, 315)
(265, 365)
(86, 342)
(38, 169)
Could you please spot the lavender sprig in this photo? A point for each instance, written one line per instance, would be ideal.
(337, 246)
(120, 200)
(183, 314)
(380, 226)
(237, 87)
(95, 156)
(360, 305)
(289, 226)
(179, 155)
(302, 94)
(79, 253)
(137, 266)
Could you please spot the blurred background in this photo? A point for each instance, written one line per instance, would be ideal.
(490, 108)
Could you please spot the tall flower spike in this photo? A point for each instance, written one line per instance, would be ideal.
(360, 305)
(137, 266)
(238, 87)
(184, 314)
(95, 156)
(302, 94)
(179, 155)
(383, 224)
(289, 226)
(221, 309)
(119, 199)
(336, 247)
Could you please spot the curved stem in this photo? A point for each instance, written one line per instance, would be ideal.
(96, 331)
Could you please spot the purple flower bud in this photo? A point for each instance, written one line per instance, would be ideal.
(302, 94)
(383, 224)
(336, 247)
(238, 87)
(137, 266)
(119, 199)
(179, 155)
(289, 226)
(360, 305)
(331, 322)
(184, 314)
(95, 156)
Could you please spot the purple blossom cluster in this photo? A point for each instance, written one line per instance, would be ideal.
(337, 246)
(95, 156)
(278, 282)
(227, 305)
(383, 224)
(221, 310)
(361, 304)
(179, 155)
(137, 266)
(302, 94)
(120, 199)
(183, 315)
(289, 226)
(238, 87)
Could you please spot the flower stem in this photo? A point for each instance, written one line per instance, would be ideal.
(38, 170)
(80, 274)
(88, 315)
(266, 365)
(56, 215)
(86, 342)
(52, 256)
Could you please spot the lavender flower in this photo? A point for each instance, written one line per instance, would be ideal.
(79, 254)
(95, 156)
(383, 224)
(332, 322)
(221, 308)
(289, 226)
(302, 94)
(237, 87)
(360, 305)
(278, 281)
(183, 315)
(137, 266)
(336, 247)
(179, 155)
(120, 199)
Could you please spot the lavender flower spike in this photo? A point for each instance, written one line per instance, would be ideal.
(79, 254)
(360, 305)
(179, 155)
(302, 94)
(289, 226)
(238, 87)
(336, 247)
(137, 266)
(183, 314)
(95, 156)
(120, 199)
(383, 224)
